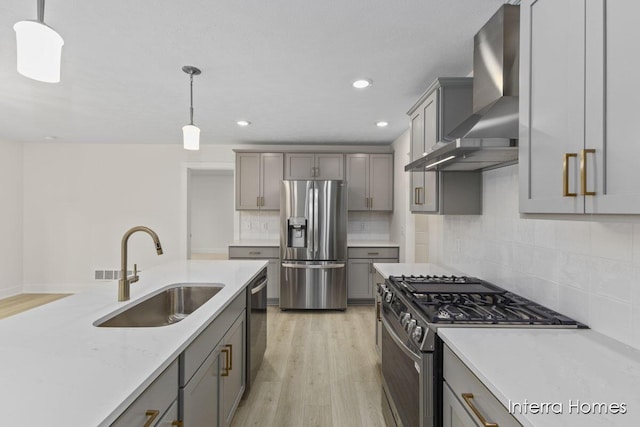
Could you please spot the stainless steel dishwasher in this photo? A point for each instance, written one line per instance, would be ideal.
(256, 325)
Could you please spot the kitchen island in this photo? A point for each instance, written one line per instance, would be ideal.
(58, 369)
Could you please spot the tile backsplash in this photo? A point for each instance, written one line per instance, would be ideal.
(587, 268)
(361, 225)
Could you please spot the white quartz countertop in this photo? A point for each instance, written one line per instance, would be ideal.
(573, 371)
(350, 243)
(57, 369)
(398, 269)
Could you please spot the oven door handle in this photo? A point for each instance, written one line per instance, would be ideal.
(413, 356)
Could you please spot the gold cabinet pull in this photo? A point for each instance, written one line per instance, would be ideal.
(177, 423)
(415, 196)
(258, 201)
(261, 200)
(254, 252)
(230, 347)
(226, 362)
(565, 175)
(151, 415)
(468, 399)
(378, 318)
(583, 171)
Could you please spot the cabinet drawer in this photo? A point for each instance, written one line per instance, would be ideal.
(374, 252)
(157, 397)
(461, 380)
(257, 252)
(198, 350)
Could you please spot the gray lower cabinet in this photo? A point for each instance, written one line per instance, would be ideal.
(466, 401)
(267, 253)
(370, 182)
(361, 274)
(212, 370)
(170, 418)
(155, 403)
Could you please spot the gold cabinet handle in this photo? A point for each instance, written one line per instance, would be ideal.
(565, 175)
(415, 196)
(258, 201)
(151, 415)
(583, 171)
(230, 347)
(226, 362)
(178, 423)
(421, 194)
(468, 399)
(378, 318)
(254, 252)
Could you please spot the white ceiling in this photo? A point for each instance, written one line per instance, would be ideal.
(284, 65)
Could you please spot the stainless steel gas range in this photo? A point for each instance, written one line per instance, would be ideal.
(413, 308)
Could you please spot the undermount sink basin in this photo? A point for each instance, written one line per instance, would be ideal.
(169, 306)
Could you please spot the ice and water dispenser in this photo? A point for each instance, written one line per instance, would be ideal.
(297, 232)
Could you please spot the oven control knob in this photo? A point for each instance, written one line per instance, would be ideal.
(417, 334)
(410, 325)
(404, 319)
(388, 297)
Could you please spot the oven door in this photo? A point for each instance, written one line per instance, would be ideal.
(401, 369)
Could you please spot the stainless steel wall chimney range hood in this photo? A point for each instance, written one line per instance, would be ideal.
(488, 138)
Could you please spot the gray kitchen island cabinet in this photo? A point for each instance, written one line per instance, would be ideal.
(318, 166)
(576, 112)
(213, 370)
(370, 182)
(258, 177)
(268, 253)
(446, 103)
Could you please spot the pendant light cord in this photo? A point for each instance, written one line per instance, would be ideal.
(191, 108)
(41, 11)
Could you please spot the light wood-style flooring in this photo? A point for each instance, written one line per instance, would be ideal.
(320, 369)
(23, 302)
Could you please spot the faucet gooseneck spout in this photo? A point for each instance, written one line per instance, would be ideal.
(125, 280)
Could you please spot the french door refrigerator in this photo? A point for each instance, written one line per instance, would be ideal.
(313, 245)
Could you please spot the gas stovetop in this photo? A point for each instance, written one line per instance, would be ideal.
(469, 300)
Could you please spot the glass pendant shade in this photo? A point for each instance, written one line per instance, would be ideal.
(39, 50)
(191, 137)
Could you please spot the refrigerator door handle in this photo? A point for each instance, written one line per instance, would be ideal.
(315, 220)
(312, 266)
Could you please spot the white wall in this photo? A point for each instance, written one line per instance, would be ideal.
(589, 270)
(212, 208)
(80, 198)
(11, 170)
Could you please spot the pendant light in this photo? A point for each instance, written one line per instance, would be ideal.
(39, 48)
(190, 132)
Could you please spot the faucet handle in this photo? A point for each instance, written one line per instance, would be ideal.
(135, 277)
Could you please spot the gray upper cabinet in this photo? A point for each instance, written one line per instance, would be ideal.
(370, 182)
(258, 177)
(576, 112)
(314, 166)
(446, 103)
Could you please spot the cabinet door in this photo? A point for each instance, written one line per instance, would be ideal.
(453, 413)
(358, 181)
(271, 176)
(552, 104)
(612, 110)
(329, 166)
(273, 279)
(359, 279)
(299, 166)
(170, 417)
(417, 150)
(232, 370)
(431, 117)
(200, 395)
(381, 182)
(247, 181)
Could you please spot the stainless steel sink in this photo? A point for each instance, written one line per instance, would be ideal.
(169, 306)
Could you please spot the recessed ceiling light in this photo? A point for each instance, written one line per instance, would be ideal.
(362, 83)
(243, 123)
(382, 124)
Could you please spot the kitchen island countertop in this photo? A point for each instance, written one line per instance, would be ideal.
(58, 369)
(579, 373)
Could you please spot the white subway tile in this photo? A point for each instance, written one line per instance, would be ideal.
(573, 236)
(544, 233)
(574, 303)
(612, 240)
(575, 270)
(610, 317)
(611, 279)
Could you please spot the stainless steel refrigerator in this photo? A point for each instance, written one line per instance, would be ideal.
(313, 245)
